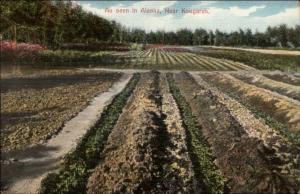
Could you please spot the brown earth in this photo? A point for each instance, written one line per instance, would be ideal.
(286, 78)
(146, 150)
(285, 89)
(273, 104)
(36, 107)
(245, 151)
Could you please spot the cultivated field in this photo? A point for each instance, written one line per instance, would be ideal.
(173, 59)
(219, 126)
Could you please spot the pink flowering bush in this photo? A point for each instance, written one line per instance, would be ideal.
(16, 51)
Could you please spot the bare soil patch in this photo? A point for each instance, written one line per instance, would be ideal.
(35, 108)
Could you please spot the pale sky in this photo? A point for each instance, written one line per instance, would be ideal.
(224, 15)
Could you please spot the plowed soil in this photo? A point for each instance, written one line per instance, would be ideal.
(283, 109)
(286, 78)
(243, 146)
(285, 89)
(146, 151)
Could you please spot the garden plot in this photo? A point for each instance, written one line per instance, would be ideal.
(166, 59)
(140, 154)
(23, 170)
(35, 108)
(235, 136)
(170, 132)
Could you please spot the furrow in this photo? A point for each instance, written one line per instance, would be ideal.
(233, 133)
(223, 62)
(77, 165)
(275, 86)
(142, 154)
(192, 61)
(207, 63)
(283, 77)
(279, 107)
(210, 60)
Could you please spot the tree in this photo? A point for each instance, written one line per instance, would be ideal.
(282, 34)
(200, 37)
(185, 37)
(211, 37)
(51, 22)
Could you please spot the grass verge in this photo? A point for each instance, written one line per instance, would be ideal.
(206, 172)
(72, 178)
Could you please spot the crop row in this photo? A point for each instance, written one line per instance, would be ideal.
(236, 136)
(275, 86)
(273, 104)
(205, 170)
(286, 78)
(75, 170)
(167, 59)
(257, 60)
(139, 155)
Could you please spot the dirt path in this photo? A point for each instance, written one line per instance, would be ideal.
(23, 171)
(266, 51)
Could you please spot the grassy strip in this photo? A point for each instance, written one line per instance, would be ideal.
(257, 60)
(270, 121)
(205, 170)
(72, 178)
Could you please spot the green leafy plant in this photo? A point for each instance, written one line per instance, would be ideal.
(206, 171)
(72, 178)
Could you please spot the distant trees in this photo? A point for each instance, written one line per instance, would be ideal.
(200, 37)
(280, 36)
(53, 22)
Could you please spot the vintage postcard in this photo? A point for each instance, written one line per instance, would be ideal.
(150, 97)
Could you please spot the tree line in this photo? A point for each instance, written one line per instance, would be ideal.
(53, 22)
(277, 36)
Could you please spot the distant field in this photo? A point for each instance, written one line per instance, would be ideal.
(161, 57)
(153, 58)
(257, 60)
(274, 51)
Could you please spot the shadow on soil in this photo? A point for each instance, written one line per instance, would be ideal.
(28, 163)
